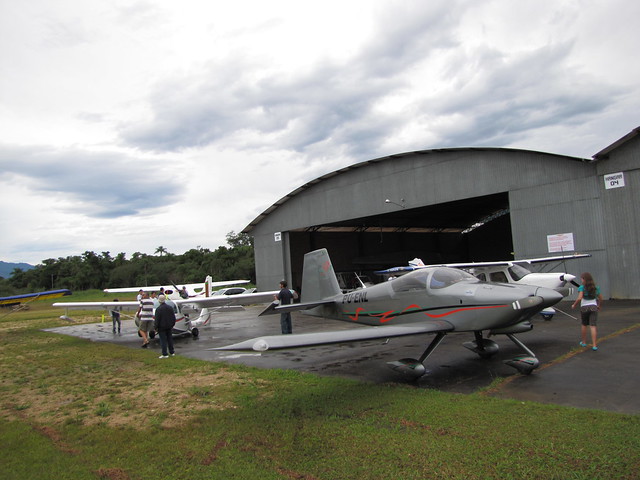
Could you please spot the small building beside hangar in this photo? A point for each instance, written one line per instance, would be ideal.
(460, 205)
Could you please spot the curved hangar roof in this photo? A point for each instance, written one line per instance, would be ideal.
(450, 216)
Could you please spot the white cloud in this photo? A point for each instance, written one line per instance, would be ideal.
(133, 124)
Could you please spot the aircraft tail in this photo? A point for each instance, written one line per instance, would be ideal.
(207, 286)
(318, 277)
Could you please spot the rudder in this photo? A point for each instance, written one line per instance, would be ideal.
(318, 277)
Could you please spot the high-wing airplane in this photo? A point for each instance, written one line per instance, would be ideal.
(437, 300)
(184, 325)
(188, 290)
(518, 272)
(28, 297)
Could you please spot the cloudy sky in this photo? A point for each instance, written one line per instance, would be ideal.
(128, 125)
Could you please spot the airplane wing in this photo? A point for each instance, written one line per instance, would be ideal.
(225, 300)
(410, 268)
(16, 299)
(271, 342)
(560, 258)
(200, 302)
(190, 286)
(96, 305)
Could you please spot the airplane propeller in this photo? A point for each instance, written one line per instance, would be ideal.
(568, 278)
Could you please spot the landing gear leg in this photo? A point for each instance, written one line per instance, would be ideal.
(432, 346)
(525, 364)
(415, 368)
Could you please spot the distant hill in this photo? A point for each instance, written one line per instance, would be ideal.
(6, 269)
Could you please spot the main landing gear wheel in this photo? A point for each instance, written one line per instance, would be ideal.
(409, 367)
(415, 368)
(195, 332)
(524, 364)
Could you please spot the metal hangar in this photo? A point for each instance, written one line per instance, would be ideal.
(460, 205)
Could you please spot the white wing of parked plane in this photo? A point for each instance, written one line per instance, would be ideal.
(416, 263)
(129, 305)
(227, 300)
(192, 288)
(199, 302)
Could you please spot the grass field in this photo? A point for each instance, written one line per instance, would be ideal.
(73, 409)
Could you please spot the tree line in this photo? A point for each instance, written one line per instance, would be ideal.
(99, 271)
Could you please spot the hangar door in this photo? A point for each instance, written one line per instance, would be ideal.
(474, 229)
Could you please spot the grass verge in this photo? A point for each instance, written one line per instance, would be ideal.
(73, 409)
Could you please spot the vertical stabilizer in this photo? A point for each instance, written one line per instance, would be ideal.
(318, 277)
(207, 286)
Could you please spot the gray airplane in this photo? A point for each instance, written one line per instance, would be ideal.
(437, 300)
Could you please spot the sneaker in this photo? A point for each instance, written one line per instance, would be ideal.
(145, 345)
(594, 348)
(583, 344)
(163, 356)
(173, 354)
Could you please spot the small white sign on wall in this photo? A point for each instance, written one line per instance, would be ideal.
(560, 242)
(614, 180)
(277, 237)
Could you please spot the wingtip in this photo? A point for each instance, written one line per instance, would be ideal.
(258, 345)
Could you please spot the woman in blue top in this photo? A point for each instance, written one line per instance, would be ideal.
(590, 300)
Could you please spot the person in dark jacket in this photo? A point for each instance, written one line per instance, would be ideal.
(286, 298)
(165, 319)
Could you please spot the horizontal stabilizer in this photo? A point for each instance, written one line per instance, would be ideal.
(262, 344)
(274, 308)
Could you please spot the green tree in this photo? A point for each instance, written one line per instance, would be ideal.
(90, 270)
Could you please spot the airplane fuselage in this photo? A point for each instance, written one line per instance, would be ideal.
(442, 294)
(518, 275)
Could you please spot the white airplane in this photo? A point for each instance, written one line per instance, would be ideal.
(184, 325)
(518, 272)
(190, 289)
(437, 300)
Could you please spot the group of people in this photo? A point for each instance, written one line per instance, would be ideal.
(153, 315)
(160, 318)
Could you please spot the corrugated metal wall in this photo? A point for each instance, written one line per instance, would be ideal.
(621, 219)
(548, 194)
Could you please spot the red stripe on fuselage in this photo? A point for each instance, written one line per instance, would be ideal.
(391, 314)
(463, 310)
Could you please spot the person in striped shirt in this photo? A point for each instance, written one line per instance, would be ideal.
(145, 313)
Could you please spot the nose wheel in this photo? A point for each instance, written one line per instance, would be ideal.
(482, 346)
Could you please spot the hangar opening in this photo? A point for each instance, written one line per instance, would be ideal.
(473, 229)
